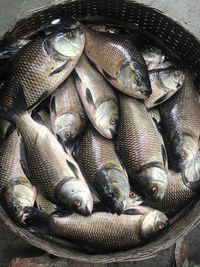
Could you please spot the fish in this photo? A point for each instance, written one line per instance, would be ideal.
(165, 82)
(141, 149)
(119, 61)
(153, 56)
(98, 161)
(68, 117)
(53, 171)
(102, 231)
(16, 192)
(181, 125)
(44, 115)
(41, 66)
(177, 196)
(98, 98)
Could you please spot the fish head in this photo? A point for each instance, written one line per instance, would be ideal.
(107, 117)
(68, 127)
(184, 151)
(133, 76)
(113, 188)
(23, 196)
(171, 79)
(75, 195)
(153, 223)
(153, 181)
(69, 43)
(153, 57)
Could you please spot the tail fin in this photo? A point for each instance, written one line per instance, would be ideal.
(19, 106)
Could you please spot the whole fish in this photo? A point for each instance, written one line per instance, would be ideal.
(102, 231)
(165, 82)
(141, 149)
(52, 171)
(97, 159)
(16, 191)
(41, 66)
(119, 61)
(181, 125)
(153, 57)
(98, 98)
(177, 196)
(68, 117)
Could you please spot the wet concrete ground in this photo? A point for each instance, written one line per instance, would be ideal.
(187, 12)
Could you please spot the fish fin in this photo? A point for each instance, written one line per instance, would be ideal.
(37, 221)
(89, 97)
(73, 168)
(158, 125)
(77, 77)
(20, 105)
(161, 99)
(132, 211)
(164, 154)
(59, 69)
(53, 104)
(107, 75)
(23, 160)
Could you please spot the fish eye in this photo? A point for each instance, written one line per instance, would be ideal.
(112, 121)
(154, 190)
(177, 73)
(132, 194)
(77, 202)
(67, 134)
(17, 208)
(161, 226)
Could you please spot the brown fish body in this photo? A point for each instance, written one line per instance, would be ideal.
(141, 148)
(67, 113)
(177, 196)
(97, 158)
(119, 61)
(181, 124)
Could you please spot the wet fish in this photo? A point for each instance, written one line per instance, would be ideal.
(103, 231)
(98, 98)
(177, 196)
(16, 191)
(153, 57)
(181, 125)
(105, 175)
(141, 149)
(54, 172)
(119, 61)
(164, 82)
(68, 117)
(41, 66)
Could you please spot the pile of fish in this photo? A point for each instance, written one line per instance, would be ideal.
(99, 137)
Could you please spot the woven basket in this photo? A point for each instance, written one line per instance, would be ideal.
(181, 43)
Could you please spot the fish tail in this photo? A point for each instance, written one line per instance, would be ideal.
(37, 221)
(19, 106)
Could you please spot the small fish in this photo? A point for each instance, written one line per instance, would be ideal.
(68, 117)
(180, 118)
(165, 81)
(102, 231)
(98, 98)
(105, 175)
(41, 66)
(16, 191)
(141, 149)
(153, 57)
(50, 168)
(177, 196)
(116, 57)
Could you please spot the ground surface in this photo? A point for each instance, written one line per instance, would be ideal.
(187, 12)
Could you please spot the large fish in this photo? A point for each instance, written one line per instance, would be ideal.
(16, 191)
(177, 196)
(181, 125)
(98, 98)
(52, 171)
(97, 159)
(68, 117)
(141, 149)
(165, 82)
(102, 231)
(119, 61)
(40, 67)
